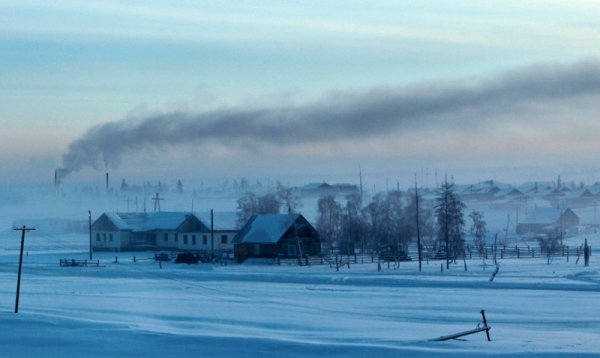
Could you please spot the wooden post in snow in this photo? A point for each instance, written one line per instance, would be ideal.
(23, 230)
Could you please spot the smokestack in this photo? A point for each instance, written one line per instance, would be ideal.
(59, 175)
(107, 190)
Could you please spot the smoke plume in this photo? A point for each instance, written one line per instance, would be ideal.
(458, 104)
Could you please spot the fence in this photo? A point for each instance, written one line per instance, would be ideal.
(489, 253)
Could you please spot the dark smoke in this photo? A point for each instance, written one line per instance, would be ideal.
(458, 104)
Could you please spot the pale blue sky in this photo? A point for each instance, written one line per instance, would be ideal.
(69, 65)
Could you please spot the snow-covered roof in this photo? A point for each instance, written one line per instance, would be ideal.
(579, 193)
(313, 186)
(537, 187)
(588, 216)
(266, 228)
(163, 220)
(222, 220)
(509, 191)
(484, 187)
(544, 216)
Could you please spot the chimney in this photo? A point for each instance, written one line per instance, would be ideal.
(107, 190)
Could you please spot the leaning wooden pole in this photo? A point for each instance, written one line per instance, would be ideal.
(485, 325)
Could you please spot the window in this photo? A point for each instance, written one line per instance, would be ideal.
(185, 241)
(97, 237)
(193, 239)
(204, 241)
(104, 237)
(223, 239)
(176, 237)
(109, 237)
(166, 235)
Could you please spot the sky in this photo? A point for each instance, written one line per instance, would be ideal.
(304, 90)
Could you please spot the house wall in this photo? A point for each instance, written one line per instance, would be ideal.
(109, 240)
(194, 241)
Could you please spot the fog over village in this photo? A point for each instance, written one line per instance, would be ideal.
(267, 179)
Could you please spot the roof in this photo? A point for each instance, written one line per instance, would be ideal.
(314, 186)
(266, 228)
(163, 220)
(580, 193)
(510, 191)
(222, 221)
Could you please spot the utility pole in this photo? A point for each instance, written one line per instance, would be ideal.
(23, 230)
(212, 233)
(361, 182)
(90, 231)
(157, 200)
(418, 231)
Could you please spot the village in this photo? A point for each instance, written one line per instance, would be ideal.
(513, 216)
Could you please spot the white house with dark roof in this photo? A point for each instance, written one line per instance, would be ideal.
(179, 231)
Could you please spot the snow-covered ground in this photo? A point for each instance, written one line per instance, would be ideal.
(127, 308)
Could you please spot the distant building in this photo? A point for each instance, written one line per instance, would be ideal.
(273, 235)
(545, 220)
(329, 189)
(178, 231)
(484, 191)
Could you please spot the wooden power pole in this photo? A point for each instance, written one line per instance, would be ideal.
(23, 230)
(90, 231)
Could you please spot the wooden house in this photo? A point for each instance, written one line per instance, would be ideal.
(277, 235)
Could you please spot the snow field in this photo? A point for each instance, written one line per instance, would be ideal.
(266, 310)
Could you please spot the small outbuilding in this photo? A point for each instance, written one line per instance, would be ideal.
(277, 235)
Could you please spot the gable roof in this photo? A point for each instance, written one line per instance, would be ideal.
(510, 191)
(266, 228)
(140, 222)
(314, 186)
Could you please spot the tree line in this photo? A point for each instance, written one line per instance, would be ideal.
(386, 223)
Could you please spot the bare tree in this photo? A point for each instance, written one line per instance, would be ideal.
(247, 205)
(289, 198)
(550, 244)
(478, 230)
(352, 224)
(268, 204)
(329, 220)
(250, 204)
